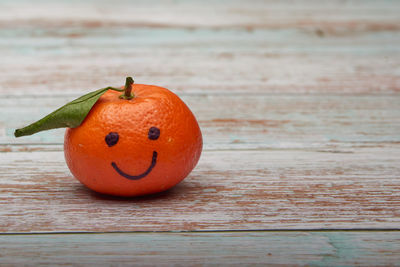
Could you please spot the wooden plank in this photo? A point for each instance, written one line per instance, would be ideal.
(211, 14)
(220, 61)
(243, 189)
(243, 121)
(256, 13)
(198, 249)
(262, 46)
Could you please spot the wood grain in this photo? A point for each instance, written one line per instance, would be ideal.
(242, 189)
(198, 249)
(187, 14)
(298, 102)
(247, 121)
(261, 46)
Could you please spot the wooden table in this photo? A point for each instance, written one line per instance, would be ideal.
(298, 102)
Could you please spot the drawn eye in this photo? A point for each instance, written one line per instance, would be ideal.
(112, 139)
(154, 133)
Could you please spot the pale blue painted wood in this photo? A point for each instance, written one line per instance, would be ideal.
(336, 248)
(228, 190)
(261, 121)
(285, 47)
(262, 46)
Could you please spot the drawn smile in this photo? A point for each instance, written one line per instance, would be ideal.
(140, 176)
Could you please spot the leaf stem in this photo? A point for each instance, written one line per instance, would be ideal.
(114, 89)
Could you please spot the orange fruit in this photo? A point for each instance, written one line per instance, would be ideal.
(134, 147)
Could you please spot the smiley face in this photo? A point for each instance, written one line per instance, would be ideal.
(134, 147)
(112, 138)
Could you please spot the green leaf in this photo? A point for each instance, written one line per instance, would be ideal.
(70, 115)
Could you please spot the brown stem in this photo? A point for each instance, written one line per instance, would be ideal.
(128, 89)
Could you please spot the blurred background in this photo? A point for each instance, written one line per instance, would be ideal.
(243, 46)
(54, 51)
(298, 102)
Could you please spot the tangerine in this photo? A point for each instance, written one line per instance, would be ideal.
(134, 146)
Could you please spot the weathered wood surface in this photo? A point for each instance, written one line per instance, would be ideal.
(199, 249)
(242, 189)
(252, 46)
(298, 103)
(254, 121)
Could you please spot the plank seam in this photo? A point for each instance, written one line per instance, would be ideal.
(210, 231)
(213, 93)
